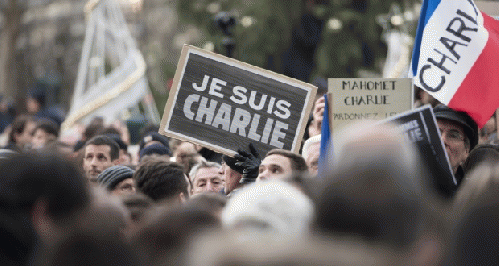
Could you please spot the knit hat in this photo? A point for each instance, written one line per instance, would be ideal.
(113, 175)
(158, 149)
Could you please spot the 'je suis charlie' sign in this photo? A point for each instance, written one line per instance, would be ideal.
(224, 104)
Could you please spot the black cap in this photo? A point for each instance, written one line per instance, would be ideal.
(154, 136)
(158, 149)
(469, 126)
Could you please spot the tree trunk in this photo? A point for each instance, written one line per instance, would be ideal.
(12, 13)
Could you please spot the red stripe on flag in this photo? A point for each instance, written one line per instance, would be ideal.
(478, 95)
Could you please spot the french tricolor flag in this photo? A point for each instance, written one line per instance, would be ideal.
(456, 57)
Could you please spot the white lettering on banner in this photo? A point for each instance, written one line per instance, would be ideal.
(203, 85)
(239, 97)
(220, 117)
(450, 48)
(206, 111)
(411, 131)
(187, 105)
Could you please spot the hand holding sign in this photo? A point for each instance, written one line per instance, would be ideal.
(251, 163)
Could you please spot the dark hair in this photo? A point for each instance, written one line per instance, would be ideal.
(25, 179)
(116, 137)
(298, 164)
(47, 125)
(480, 154)
(160, 180)
(111, 130)
(28, 177)
(93, 130)
(209, 201)
(165, 240)
(148, 129)
(137, 205)
(105, 140)
(18, 126)
(377, 199)
(473, 236)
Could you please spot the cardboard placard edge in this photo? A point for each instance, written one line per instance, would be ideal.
(173, 91)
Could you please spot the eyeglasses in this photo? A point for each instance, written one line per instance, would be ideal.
(453, 135)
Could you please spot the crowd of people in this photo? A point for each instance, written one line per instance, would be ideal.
(168, 202)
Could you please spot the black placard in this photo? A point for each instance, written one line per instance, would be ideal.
(224, 105)
(419, 126)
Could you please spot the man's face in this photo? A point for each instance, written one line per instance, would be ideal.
(207, 180)
(125, 187)
(231, 177)
(185, 153)
(453, 137)
(275, 167)
(97, 159)
(26, 136)
(40, 138)
(312, 159)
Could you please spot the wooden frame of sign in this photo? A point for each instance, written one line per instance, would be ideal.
(223, 104)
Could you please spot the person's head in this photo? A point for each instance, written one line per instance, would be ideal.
(231, 173)
(269, 207)
(93, 129)
(186, 155)
(118, 180)
(279, 164)
(155, 149)
(205, 177)
(40, 196)
(474, 235)
(101, 152)
(311, 151)
(481, 179)
(22, 129)
(36, 99)
(167, 235)
(374, 189)
(213, 202)
(45, 131)
(111, 133)
(151, 138)
(485, 153)
(459, 134)
(137, 205)
(161, 180)
(98, 236)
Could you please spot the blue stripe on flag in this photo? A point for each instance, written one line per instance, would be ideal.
(325, 143)
(427, 10)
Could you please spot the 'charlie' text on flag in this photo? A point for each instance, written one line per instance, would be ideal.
(456, 55)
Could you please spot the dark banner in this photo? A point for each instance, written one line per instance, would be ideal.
(224, 105)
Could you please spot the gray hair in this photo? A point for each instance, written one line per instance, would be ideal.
(200, 165)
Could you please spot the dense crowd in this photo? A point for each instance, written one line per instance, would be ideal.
(103, 201)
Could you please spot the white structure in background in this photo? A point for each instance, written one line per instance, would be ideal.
(111, 75)
(399, 52)
(396, 26)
